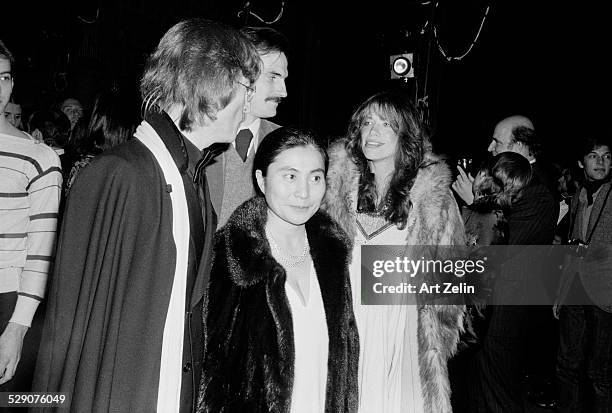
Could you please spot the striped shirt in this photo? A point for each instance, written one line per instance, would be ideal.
(30, 189)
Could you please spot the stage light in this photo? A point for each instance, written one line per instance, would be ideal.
(401, 66)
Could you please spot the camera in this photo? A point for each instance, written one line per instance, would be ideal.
(580, 248)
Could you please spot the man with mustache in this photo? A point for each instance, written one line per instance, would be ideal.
(230, 177)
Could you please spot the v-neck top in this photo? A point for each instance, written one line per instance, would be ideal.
(311, 348)
(389, 376)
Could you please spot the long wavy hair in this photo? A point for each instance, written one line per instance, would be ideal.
(399, 111)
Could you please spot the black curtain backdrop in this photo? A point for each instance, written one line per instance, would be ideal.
(544, 59)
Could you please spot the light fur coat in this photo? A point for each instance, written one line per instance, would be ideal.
(434, 219)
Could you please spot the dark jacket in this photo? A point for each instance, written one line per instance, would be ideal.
(114, 270)
(249, 363)
(485, 223)
(531, 221)
(595, 268)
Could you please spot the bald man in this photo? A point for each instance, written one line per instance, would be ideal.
(504, 139)
(512, 134)
(512, 328)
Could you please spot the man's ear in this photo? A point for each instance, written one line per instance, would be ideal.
(580, 164)
(521, 148)
(261, 183)
(37, 135)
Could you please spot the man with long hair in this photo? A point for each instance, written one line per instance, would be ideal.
(124, 325)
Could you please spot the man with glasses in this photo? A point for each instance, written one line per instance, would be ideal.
(230, 176)
(124, 328)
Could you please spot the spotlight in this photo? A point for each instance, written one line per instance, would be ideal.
(401, 66)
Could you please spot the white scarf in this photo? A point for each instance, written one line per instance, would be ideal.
(170, 374)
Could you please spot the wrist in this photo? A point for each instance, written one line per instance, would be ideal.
(16, 328)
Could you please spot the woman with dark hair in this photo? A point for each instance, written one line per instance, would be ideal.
(384, 189)
(496, 187)
(113, 121)
(281, 334)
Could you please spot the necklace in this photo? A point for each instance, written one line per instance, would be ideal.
(380, 210)
(289, 260)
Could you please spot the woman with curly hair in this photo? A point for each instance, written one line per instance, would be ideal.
(385, 189)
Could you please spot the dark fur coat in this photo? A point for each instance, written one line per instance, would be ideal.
(249, 362)
(485, 223)
(434, 219)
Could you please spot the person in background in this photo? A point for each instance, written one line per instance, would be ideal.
(496, 187)
(73, 109)
(30, 187)
(584, 300)
(281, 330)
(53, 128)
(529, 223)
(12, 112)
(512, 134)
(113, 120)
(384, 189)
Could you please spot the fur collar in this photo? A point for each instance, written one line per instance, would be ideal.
(248, 250)
(484, 204)
(431, 185)
(434, 219)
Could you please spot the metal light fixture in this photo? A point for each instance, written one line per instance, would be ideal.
(401, 66)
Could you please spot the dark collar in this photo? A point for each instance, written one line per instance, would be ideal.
(193, 156)
(592, 187)
(171, 136)
(248, 251)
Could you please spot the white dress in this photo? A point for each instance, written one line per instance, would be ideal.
(311, 348)
(389, 380)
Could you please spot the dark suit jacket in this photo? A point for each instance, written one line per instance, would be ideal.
(531, 221)
(595, 269)
(545, 174)
(215, 173)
